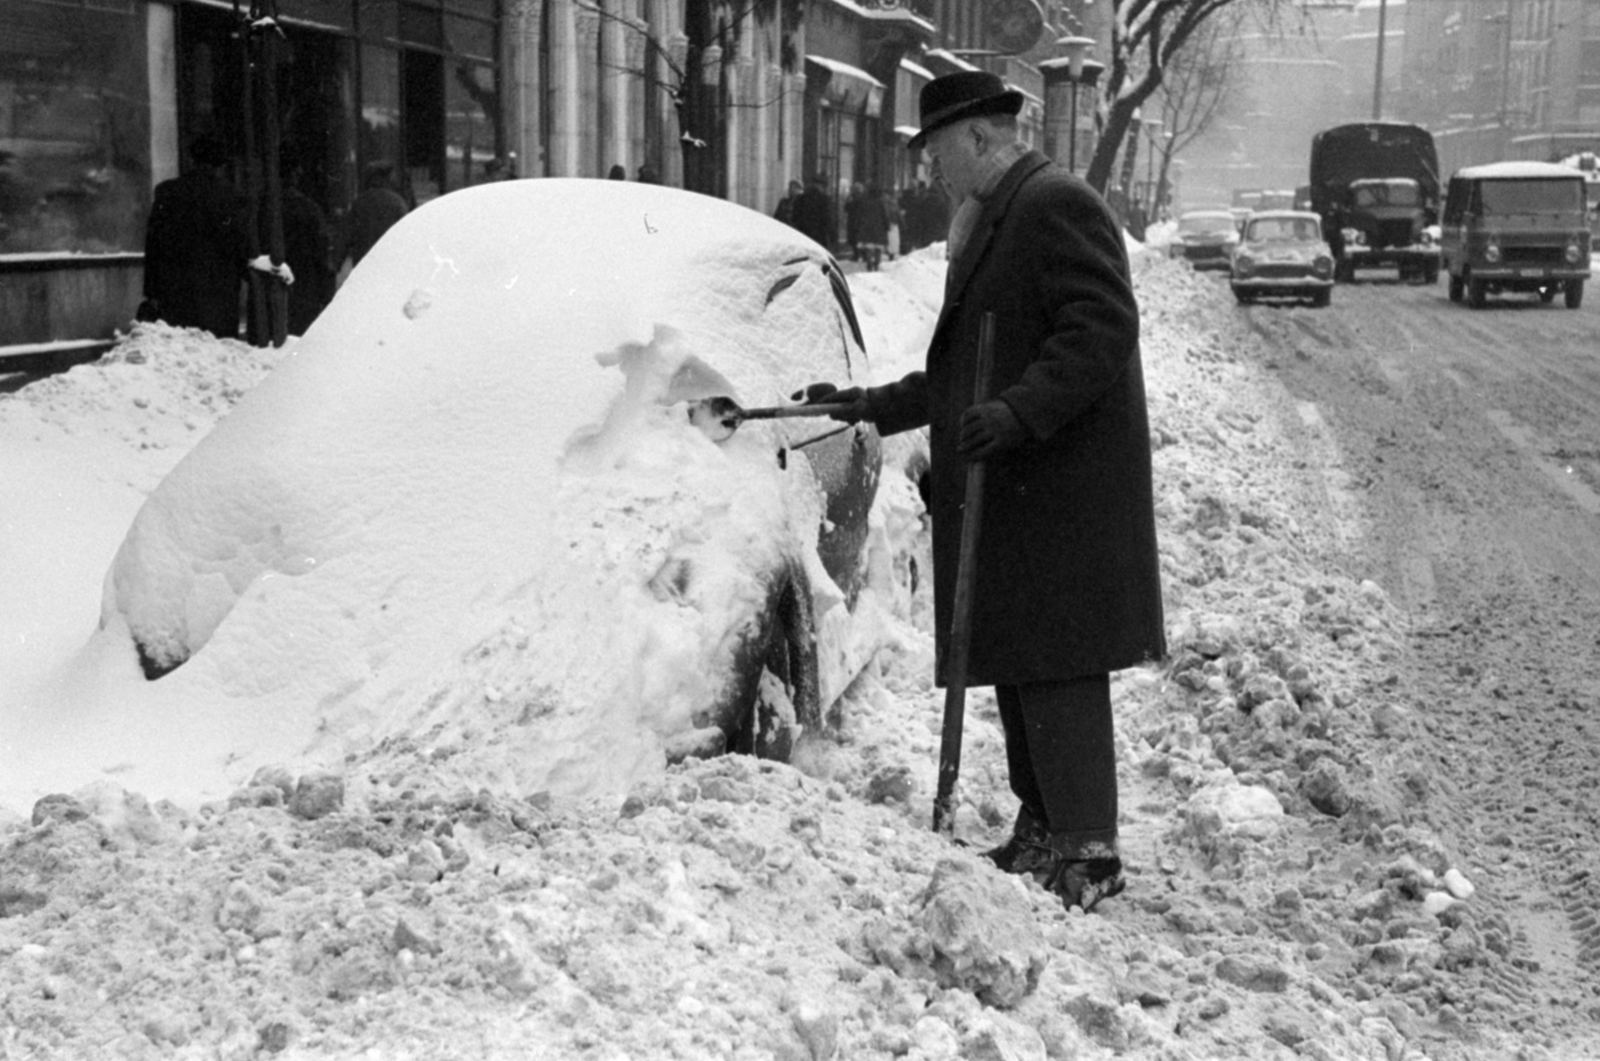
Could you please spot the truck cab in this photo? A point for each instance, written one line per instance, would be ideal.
(1376, 187)
(1516, 227)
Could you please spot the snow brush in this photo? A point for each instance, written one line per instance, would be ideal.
(720, 417)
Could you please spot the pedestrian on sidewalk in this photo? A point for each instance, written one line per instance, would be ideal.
(374, 211)
(872, 228)
(813, 212)
(1068, 584)
(195, 245)
(786, 205)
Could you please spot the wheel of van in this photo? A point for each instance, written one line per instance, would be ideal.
(1574, 294)
(1344, 272)
(1458, 288)
(1477, 292)
(1244, 297)
(1430, 273)
(1321, 299)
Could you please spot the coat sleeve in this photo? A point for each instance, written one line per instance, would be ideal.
(1075, 251)
(901, 405)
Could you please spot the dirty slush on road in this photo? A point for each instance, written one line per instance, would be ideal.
(1468, 441)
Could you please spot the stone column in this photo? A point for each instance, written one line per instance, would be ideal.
(522, 23)
(561, 91)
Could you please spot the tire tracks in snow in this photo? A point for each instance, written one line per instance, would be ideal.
(1466, 444)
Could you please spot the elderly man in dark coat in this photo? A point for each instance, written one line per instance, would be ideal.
(1068, 581)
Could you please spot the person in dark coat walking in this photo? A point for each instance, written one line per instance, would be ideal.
(786, 205)
(813, 213)
(374, 211)
(872, 228)
(1068, 579)
(307, 250)
(195, 246)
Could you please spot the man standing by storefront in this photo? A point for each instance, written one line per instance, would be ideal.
(195, 246)
(1067, 587)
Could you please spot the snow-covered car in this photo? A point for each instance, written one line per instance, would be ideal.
(470, 514)
(1205, 238)
(1281, 254)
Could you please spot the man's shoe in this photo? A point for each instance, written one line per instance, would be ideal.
(1083, 884)
(1026, 850)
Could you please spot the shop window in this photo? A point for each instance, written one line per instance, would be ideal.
(471, 105)
(75, 125)
(379, 19)
(422, 97)
(319, 13)
(380, 109)
(470, 37)
(422, 24)
(1589, 105)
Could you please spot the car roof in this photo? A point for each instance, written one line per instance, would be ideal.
(1219, 211)
(1517, 170)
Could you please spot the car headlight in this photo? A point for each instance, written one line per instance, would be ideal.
(1491, 253)
(1243, 264)
(1574, 254)
(1322, 265)
(1425, 238)
(1352, 235)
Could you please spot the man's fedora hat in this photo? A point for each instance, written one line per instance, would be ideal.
(966, 94)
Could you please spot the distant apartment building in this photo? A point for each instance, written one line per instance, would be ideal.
(1505, 78)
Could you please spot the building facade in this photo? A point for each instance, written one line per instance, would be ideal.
(99, 99)
(1510, 79)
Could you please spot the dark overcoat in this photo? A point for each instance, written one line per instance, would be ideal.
(194, 252)
(1068, 579)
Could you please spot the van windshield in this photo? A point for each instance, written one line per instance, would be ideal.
(1558, 196)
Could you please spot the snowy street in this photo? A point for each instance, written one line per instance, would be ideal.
(1357, 805)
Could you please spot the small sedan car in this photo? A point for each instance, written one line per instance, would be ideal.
(1205, 238)
(1282, 255)
(472, 517)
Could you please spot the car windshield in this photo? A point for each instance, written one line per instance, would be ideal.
(1388, 193)
(1282, 228)
(1206, 224)
(1533, 196)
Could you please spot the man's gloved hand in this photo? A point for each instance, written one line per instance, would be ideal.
(827, 394)
(990, 429)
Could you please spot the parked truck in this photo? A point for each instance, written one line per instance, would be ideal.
(1376, 187)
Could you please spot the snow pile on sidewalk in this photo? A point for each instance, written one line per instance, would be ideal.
(1282, 902)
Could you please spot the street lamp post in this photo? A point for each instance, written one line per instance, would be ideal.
(1062, 77)
(1077, 50)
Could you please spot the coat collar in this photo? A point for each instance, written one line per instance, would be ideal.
(977, 244)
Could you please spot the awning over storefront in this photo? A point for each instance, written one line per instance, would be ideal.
(943, 62)
(844, 86)
(916, 70)
(906, 132)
